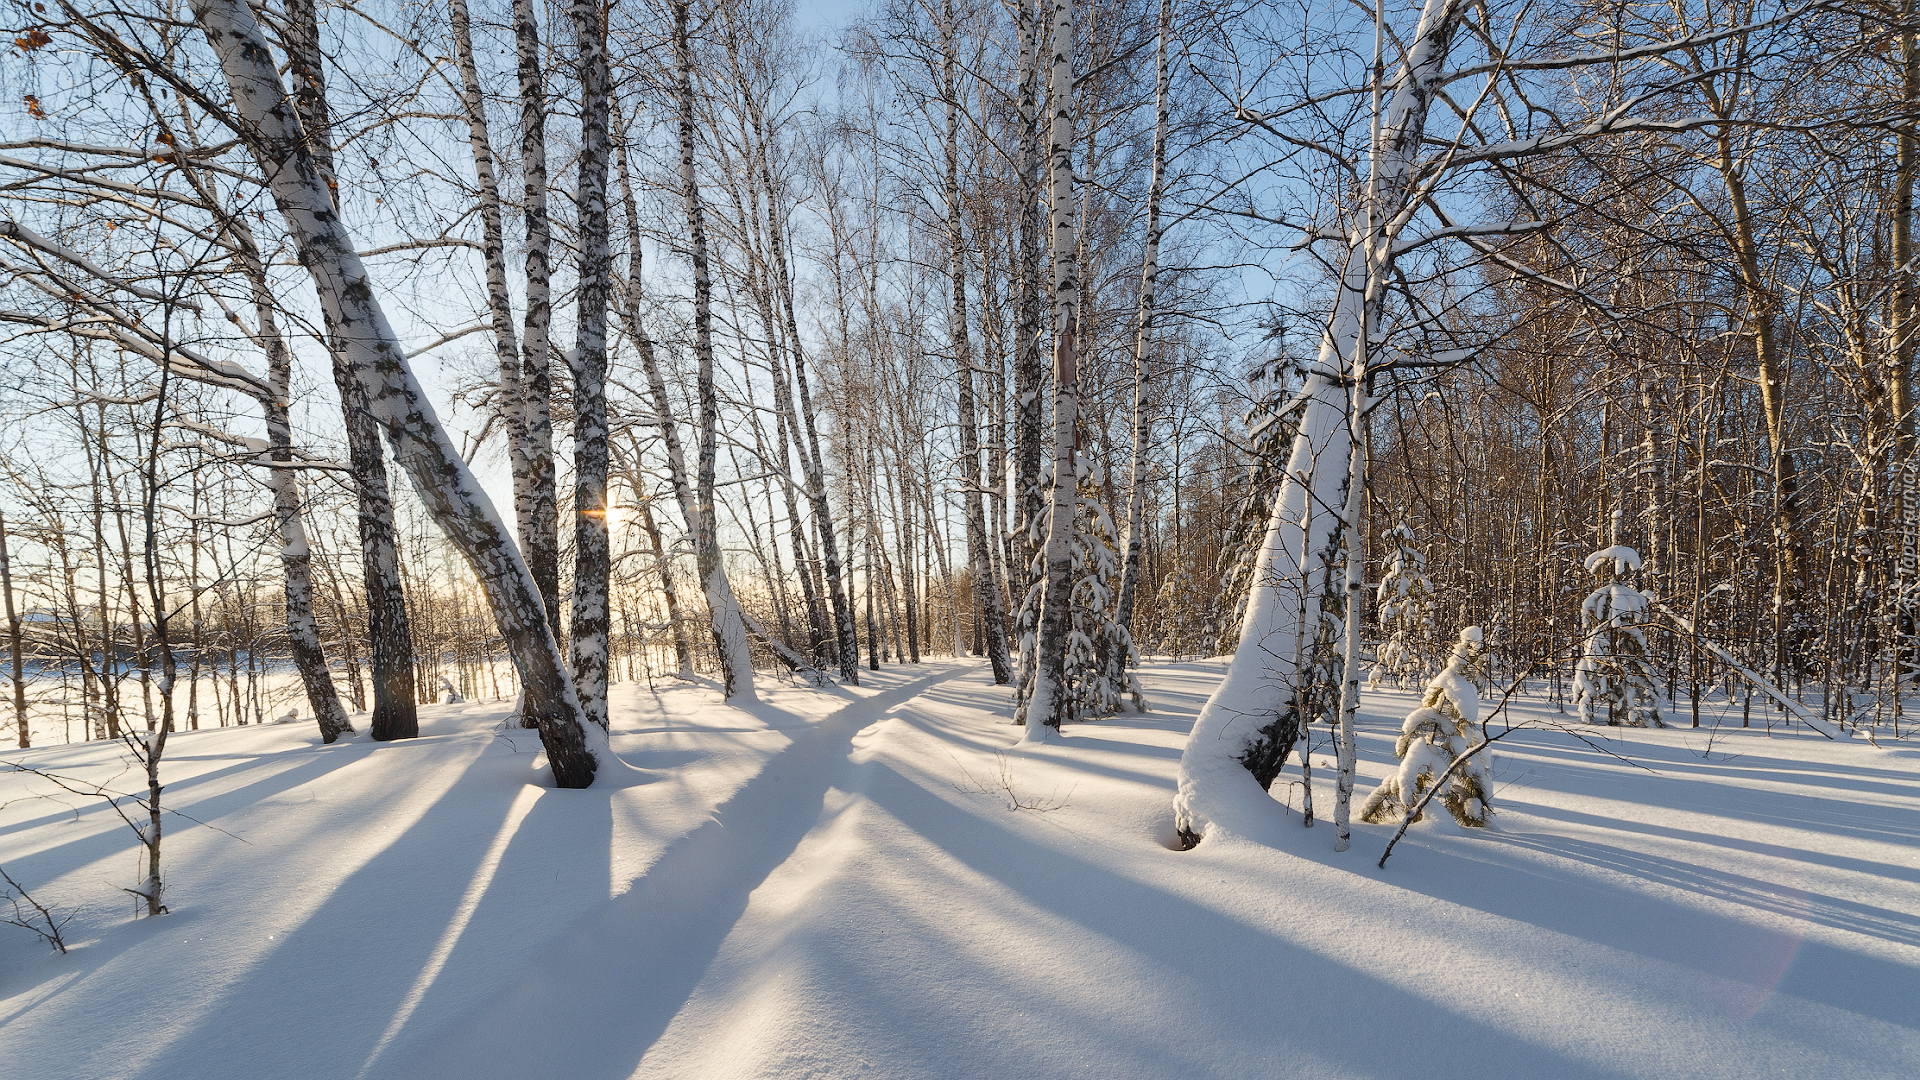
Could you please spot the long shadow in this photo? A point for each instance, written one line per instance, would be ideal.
(1076, 740)
(1761, 895)
(918, 718)
(314, 1003)
(553, 852)
(1252, 989)
(85, 849)
(620, 974)
(1797, 854)
(1746, 766)
(127, 781)
(1589, 908)
(1866, 821)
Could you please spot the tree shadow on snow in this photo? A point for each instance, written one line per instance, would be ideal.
(600, 991)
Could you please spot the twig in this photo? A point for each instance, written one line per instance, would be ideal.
(51, 935)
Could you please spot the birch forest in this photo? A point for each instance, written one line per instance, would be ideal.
(365, 355)
(942, 539)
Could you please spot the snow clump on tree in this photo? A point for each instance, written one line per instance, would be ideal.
(1405, 602)
(1614, 668)
(1445, 726)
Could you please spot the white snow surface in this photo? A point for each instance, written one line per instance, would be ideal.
(831, 883)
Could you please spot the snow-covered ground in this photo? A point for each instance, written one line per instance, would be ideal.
(837, 884)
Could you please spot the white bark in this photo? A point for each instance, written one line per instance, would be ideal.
(729, 628)
(979, 557)
(1143, 332)
(512, 406)
(1047, 706)
(590, 610)
(1248, 727)
(537, 509)
(376, 363)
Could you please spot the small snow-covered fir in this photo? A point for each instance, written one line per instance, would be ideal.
(1405, 607)
(1445, 726)
(1614, 681)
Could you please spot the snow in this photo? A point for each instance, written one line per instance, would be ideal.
(830, 883)
(1625, 560)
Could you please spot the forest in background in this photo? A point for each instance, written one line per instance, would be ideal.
(979, 327)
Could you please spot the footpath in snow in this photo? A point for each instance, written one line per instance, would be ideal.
(881, 883)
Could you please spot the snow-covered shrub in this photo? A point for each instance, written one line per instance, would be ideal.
(1445, 726)
(1615, 670)
(1405, 610)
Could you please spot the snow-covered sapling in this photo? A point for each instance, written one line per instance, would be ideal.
(1405, 600)
(1444, 726)
(1615, 670)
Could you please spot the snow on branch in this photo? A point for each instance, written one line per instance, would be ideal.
(20, 234)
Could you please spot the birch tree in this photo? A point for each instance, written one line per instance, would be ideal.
(729, 629)
(1045, 709)
(371, 355)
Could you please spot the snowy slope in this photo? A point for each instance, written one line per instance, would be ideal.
(834, 885)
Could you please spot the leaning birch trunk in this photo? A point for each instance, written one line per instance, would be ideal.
(1143, 333)
(979, 558)
(375, 364)
(1248, 727)
(389, 629)
(592, 554)
(729, 629)
(1046, 707)
(537, 510)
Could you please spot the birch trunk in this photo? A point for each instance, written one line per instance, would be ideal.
(1906, 169)
(1249, 726)
(979, 558)
(729, 629)
(389, 630)
(374, 362)
(663, 416)
(592, 555)
(1356, 501)
(14, 651)
(296, 557)
(1142, 342)
(537, 510)
(812, 462)
(389, 626)
(493, 246)
(1027, 376)
(1047, 706)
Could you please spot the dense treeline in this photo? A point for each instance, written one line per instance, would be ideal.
(973, 327)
